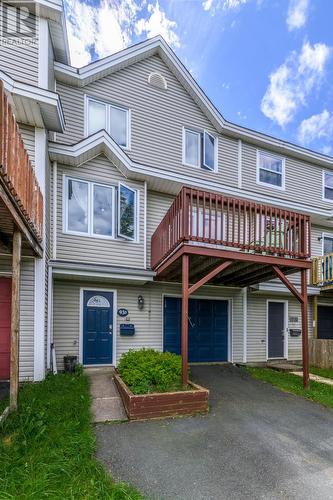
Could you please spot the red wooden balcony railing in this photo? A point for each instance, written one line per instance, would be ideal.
(16, 171)
(203, 217)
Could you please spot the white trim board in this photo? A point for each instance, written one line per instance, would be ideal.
(114, 323)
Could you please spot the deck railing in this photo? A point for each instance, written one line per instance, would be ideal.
(203, 217)
(322, 270)
(16, 171)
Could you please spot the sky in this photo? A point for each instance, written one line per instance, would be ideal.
(265, 64)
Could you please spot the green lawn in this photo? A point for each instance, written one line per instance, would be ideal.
(321, 393)
(323, 372)
(47, 447)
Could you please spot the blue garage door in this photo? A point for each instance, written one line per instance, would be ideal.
(207, 329)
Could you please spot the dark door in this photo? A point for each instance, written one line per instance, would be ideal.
(97, 327)
(276, 329)
(5, 307)
(207, 329)
(325, 322)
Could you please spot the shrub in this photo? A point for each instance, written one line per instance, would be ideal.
(146, 371)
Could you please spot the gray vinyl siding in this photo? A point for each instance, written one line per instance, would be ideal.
(257, 327)
(27, 305)
(157, 119)
(28, 136)
(117, 252)
(157, 206)
(18, 60)
(27, 301)
(148, 322)
(303, 180)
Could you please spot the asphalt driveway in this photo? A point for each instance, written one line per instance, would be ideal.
(256, 443)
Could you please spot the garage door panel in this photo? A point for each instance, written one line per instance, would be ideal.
(208, 329)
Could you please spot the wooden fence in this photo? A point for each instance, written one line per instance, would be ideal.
(321, 353)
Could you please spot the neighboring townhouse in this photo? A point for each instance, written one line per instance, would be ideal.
(136, 129)
(30, 42)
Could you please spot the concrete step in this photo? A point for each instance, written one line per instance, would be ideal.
(108, 409)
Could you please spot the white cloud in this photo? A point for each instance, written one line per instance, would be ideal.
(110, 26)
(297, 14)
(318, 126)
(158, 24)
(292, 82)
(213, 5)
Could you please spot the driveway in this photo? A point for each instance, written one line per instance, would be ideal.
(257, 442)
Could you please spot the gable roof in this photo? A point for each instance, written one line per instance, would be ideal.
(80, 77)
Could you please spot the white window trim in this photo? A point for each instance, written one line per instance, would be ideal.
(323, 186)
(89, 233)
(201, 164)
(323, 236)
(108, 105)
(136, 215)
(283, 173)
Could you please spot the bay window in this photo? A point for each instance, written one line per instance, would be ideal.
(91, 209)
(110, 117)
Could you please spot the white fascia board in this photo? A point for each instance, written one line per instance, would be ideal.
(45, 99)
(101, 142)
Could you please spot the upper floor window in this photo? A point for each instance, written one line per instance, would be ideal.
(270, 170)
(114, 119)
(90, 209)
(199, 149)
(327, 244)
(328, 186)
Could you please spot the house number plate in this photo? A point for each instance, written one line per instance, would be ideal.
(122, 312)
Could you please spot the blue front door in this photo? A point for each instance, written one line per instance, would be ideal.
(207, 329)
(97, 327)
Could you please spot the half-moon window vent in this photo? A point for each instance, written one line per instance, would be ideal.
(157, 80)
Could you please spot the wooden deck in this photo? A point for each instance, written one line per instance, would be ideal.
(212, 228)
(21, 200)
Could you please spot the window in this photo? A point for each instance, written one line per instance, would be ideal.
(328, 185)
(126, 212)
(327, 244)
(114, 119)
(199, 149)
(90, 209)
(270, 170)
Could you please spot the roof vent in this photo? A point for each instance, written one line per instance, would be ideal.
(157, 80)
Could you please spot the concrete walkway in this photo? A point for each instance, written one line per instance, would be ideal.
(316, 378)
(256, 443)
(106, 405)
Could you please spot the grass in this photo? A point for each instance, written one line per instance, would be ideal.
(321, 393)
(47, 447)
(322, 372)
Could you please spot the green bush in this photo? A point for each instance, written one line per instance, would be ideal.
(146, 371)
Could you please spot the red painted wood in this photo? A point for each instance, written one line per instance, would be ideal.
(265, 228)
(5, 314)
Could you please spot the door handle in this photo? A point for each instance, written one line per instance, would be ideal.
(110, 329)
(190, 321)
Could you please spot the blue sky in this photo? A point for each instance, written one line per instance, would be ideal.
(265, 64)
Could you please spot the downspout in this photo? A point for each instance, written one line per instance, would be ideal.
(244, 293)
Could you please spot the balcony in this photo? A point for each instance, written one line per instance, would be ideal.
(254, 235)
(21, 201)
(322, 271)
(209, 238)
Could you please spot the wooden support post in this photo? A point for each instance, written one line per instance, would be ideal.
(305, 341)
(15, 320)
(185, 296)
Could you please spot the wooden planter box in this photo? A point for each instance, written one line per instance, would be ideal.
(162, 404)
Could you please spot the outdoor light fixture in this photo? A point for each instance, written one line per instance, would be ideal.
(141, 302)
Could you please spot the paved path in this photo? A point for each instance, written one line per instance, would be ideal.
(107, 404)
(316, 378)
(256, 443)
